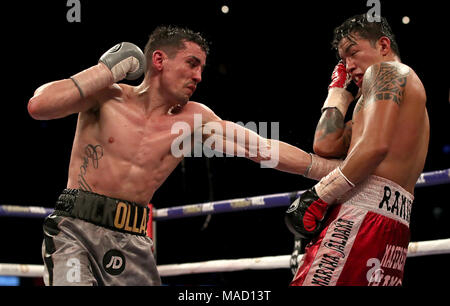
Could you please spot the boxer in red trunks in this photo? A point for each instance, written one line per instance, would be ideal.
(357, 217)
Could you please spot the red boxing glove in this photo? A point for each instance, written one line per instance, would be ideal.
(315, 212)
(341, 79)
(304, 216)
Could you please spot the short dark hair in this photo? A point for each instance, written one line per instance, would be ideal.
(370, 30)
(171, 39)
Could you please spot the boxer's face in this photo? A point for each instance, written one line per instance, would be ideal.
(358, 54)
(183, 71)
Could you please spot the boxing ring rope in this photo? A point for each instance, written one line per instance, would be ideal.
(426, 179)
(421, 248)
(269, 201)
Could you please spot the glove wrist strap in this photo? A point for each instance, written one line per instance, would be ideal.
(320, 167)
(339, 98)
(92, 79)
(333, 186)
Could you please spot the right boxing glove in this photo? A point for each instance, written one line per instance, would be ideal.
(341, 79)
(341, 91)
(125, 60)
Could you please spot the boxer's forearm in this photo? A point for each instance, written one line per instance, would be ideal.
(363, 161)
(61, 98)
(294, 160)
(338, 98)
(331, 138)
(289, 158)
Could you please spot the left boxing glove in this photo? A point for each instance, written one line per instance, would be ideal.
(304, 217)
(125, 60)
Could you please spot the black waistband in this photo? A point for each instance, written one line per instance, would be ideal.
(115, 214)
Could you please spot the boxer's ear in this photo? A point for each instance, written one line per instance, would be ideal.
(158, 58)
(384, 45)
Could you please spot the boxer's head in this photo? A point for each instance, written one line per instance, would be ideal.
(361, 43)
(178, 57)
(171, 39)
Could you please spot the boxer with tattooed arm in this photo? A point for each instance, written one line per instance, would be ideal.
(357, 217)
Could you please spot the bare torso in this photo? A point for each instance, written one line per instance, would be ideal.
(405, 159)
(122, 152)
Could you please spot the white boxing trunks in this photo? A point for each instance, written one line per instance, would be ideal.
(364, 241)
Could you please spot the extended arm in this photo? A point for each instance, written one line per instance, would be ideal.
(234, 139)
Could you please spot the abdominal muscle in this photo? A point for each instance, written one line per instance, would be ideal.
(131, 167)
(118, 178)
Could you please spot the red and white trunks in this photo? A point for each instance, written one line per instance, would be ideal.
(364, 241)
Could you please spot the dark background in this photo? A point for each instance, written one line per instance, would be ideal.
(270, 61)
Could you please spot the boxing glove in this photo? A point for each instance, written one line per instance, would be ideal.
(125, 60)
(341, 91)
(304, 217)
(341, 79)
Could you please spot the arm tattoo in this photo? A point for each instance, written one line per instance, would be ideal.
(331, 121)
(93, 153)
(384, 82)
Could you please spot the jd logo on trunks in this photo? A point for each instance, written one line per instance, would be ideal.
(398, 204)
(114, 262)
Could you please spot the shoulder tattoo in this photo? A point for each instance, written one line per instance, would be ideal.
(384, 82)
